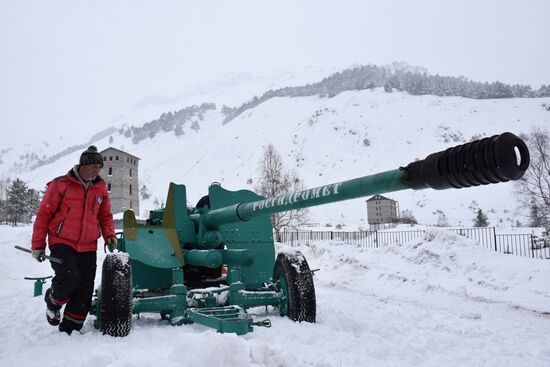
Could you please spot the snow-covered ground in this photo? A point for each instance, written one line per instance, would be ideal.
(439, 301)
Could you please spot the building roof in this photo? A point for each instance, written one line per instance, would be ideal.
(118, 150)
(379, 197)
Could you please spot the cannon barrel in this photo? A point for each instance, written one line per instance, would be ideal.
(499, 158)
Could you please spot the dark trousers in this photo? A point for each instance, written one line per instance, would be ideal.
(73, 284)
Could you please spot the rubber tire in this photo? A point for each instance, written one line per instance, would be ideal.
(300, 288)
(116, 296)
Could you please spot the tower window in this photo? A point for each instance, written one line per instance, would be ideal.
(109, 187)
(110, 171)
(130, 189)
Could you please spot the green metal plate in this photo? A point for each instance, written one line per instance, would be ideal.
(152, 246)
(255, 234)
(148, 277)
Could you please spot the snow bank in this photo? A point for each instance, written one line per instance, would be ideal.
(443, 262)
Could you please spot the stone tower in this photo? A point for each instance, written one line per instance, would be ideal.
(120, 172)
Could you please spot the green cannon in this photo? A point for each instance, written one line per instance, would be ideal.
(209, 264)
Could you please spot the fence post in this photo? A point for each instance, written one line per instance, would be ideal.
(376, 238)
(495, 238)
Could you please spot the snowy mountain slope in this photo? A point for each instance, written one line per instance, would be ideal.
(328, 140)
(442, 300)
(231, 88)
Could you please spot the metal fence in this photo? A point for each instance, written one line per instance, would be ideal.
(514, 244)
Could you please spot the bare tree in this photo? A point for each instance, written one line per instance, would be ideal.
(481, 219)
(275, 180)
(4, 184)
(534, 186)
(441, 219)
(407, 217)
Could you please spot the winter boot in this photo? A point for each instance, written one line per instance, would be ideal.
(68, 326)
(52, 310)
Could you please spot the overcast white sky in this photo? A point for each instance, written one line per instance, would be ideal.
(75, 65)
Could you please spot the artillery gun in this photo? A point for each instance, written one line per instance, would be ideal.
(210, 263)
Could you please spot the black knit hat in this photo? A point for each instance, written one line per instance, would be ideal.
(91, 156)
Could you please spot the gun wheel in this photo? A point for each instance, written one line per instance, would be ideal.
(116, 296)
(294, 278)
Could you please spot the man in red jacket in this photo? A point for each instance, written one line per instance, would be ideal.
(73, 214)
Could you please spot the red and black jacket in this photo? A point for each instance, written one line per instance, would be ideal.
(70, 215)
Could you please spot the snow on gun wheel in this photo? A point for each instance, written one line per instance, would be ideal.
(116, 295)
(292, 273)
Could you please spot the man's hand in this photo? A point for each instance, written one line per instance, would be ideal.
(39, 255)
(112, 242)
